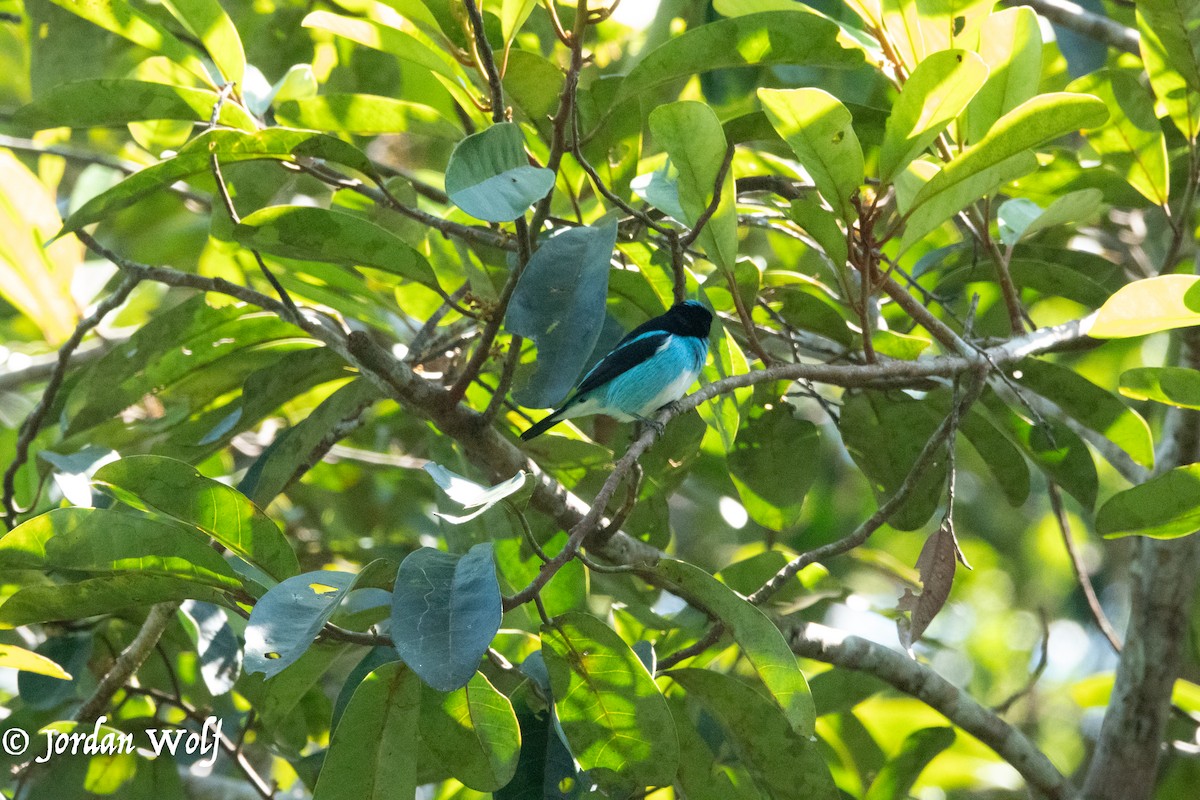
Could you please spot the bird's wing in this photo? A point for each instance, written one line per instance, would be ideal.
(626, 356)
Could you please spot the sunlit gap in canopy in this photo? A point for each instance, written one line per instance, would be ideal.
(636, 14)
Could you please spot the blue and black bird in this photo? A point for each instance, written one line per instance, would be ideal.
(651, 367)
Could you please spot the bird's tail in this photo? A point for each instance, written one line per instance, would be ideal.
(544, 425)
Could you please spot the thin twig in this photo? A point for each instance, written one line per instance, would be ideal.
(33, 423)
(711, 209)
(127, 663)
(1081, 575)
(506, 378)
(1042, 663)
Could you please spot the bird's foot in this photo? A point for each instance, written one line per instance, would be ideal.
(654, 424)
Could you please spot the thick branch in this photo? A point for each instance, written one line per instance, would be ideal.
(820, 643)
(1077, 18)
(128, 661)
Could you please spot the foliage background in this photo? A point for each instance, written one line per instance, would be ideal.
(760, 474)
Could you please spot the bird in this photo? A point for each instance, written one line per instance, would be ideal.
(651, 367)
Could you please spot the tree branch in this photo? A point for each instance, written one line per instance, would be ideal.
(1077, 18)
(128, 661)
(810, 640)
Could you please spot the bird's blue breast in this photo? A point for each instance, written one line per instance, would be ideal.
(662, 378)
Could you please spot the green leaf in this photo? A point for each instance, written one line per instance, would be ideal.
(723, 413)
(773, 463)
(769, 38)
(179, 491)
(208, 22)
(818, 128)
(613, 716)
(320, 234)
(1173, 23)
(122, 18)
(229, 146)
(1164, 507)
(374, 751)
(285, 620)
(1089, 404)
(1001, 156)
(13, 657)
(473, 732)
(1181, 101)
(104, 542)
(471, 495)
(112, 102)
(489, 175)
(762, 643)
(1010, 43)
(784, 764)
(695, 142)
(896, 779)
(172, 347)
(559, 303)
(291, 450)
(884, 433)
(92, 596)
(1050, 278)
(366, 114)
(1020, 218)
(933, 96)
(1173, 386)
(518, 564)
(1149, 306)
(401, 45)
(445, 613)
(822, 226)
(1131, 141)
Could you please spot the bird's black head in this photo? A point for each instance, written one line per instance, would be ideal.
(689, 318)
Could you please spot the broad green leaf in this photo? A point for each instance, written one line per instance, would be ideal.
(489, 175)
(374, 750)
(1149, 306)
(818, 128)
(208, 22)
(35, 277)
(278, 465)
(901, 20)
(70, 650)
(1173, 386)
(951, 23)
(1173, 23)
(773, 463)
(445, 613)
(1131, 141)
(217, 646)
(700, 776)
(1054, 448)
(933, 96)
(723, 413)
(125, 20)
(884, 433)
(823, 227)
(1020, 218)
(470, 495)
(319, 234)
(513, 14)
(692, 136)
(401, 45)
(1050, 278)
(104, 542)
(896, 779)
(1001, 156)
(172, 348)
(13, 657)
(179, 491)
(365, 114)
(533, 84)
(92, 596)
(559, 303)
(784, 764)
(546, 769)
(112, 102)
(473, 731)
(1010, 43)
(613, 716)
(759, 639)
(766, 39)
(285, 620)
(229, 146)
(1164, 507)
(1181, 101)
(1089, 404)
